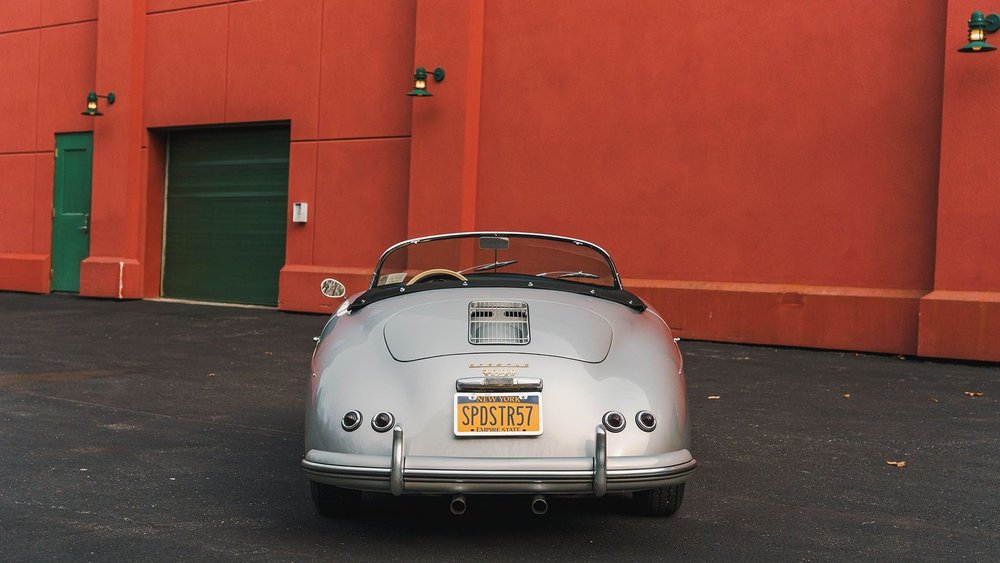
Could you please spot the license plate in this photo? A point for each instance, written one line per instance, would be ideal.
(498, 414)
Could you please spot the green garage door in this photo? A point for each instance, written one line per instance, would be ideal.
(227, 196)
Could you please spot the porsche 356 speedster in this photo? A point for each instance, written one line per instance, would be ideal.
(496, 363)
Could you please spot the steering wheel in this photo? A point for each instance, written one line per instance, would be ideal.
(436, 273)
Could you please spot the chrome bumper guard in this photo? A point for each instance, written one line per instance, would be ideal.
(595, 475)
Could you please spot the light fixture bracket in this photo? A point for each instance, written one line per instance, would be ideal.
(992, 23)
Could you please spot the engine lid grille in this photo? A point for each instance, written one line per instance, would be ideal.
(498, 322)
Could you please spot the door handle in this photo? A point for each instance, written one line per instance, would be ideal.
(86, 223)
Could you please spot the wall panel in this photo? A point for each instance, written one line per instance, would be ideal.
(363, 80)
(66, 75)
(185, 78)
(961, 318)
(58, 12)
(19, 14)
(17, 181)
(42, 204)
(302, 187)
(360, 200)
(19, 90)
(776, 151)
(273, 72)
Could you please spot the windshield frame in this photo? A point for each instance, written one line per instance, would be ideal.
(477, 234)
(497, 279)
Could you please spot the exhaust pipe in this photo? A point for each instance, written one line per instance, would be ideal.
(458, 505)
(539, 505)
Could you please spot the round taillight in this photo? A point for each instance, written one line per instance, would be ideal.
(645, 421)
(614, 421)
(351, 421)
(383, 421)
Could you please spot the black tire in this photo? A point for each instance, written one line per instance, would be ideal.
(333, 501)
(659, 502)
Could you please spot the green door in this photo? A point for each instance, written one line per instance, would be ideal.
(71, 209)
(227, 201)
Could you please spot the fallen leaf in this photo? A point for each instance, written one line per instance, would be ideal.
(211, 375)
(933, 399)
(899, 464)
(974, 393)
(846, 395)
(714, 397)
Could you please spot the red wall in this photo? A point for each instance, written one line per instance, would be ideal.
(46, 60)
(961, 317)
(761, 173)
(780, 172)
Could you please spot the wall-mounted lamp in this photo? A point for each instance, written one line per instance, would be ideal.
(92, 103)
(420, 81)
(979, 26)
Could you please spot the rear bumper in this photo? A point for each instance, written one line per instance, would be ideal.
(595, 475)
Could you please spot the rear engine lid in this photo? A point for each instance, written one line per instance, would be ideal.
(485, 326)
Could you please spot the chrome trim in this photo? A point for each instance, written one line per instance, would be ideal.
(526, 474)
(498, 481)
(600, 462)
(348, 470)
(396, 467)
(483, 384)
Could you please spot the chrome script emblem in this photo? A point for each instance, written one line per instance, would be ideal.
(498, 370)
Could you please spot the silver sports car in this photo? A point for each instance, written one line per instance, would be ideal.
(496, 363)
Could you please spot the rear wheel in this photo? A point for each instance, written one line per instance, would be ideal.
(334, 501)
(659, 502)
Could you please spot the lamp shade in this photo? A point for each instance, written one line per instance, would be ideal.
(977, 47)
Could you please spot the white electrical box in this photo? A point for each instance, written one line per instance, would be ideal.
(300, 212)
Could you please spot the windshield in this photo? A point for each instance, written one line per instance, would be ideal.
(478, 255)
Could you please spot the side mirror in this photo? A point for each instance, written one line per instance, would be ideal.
(332, 288)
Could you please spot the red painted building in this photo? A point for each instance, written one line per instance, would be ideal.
(784, 172)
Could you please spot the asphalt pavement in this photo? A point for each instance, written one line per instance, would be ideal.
(158, 431)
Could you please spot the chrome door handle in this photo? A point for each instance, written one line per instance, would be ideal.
(86, 223)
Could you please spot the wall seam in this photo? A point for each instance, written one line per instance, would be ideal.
(473, 116)
(25, 153)
(225, 86)
(34, 177)
(319, 121)
(351, 139)
(186, 8)
(937, 188)
(50, 26)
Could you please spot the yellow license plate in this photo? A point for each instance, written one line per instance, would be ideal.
(498, 414)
